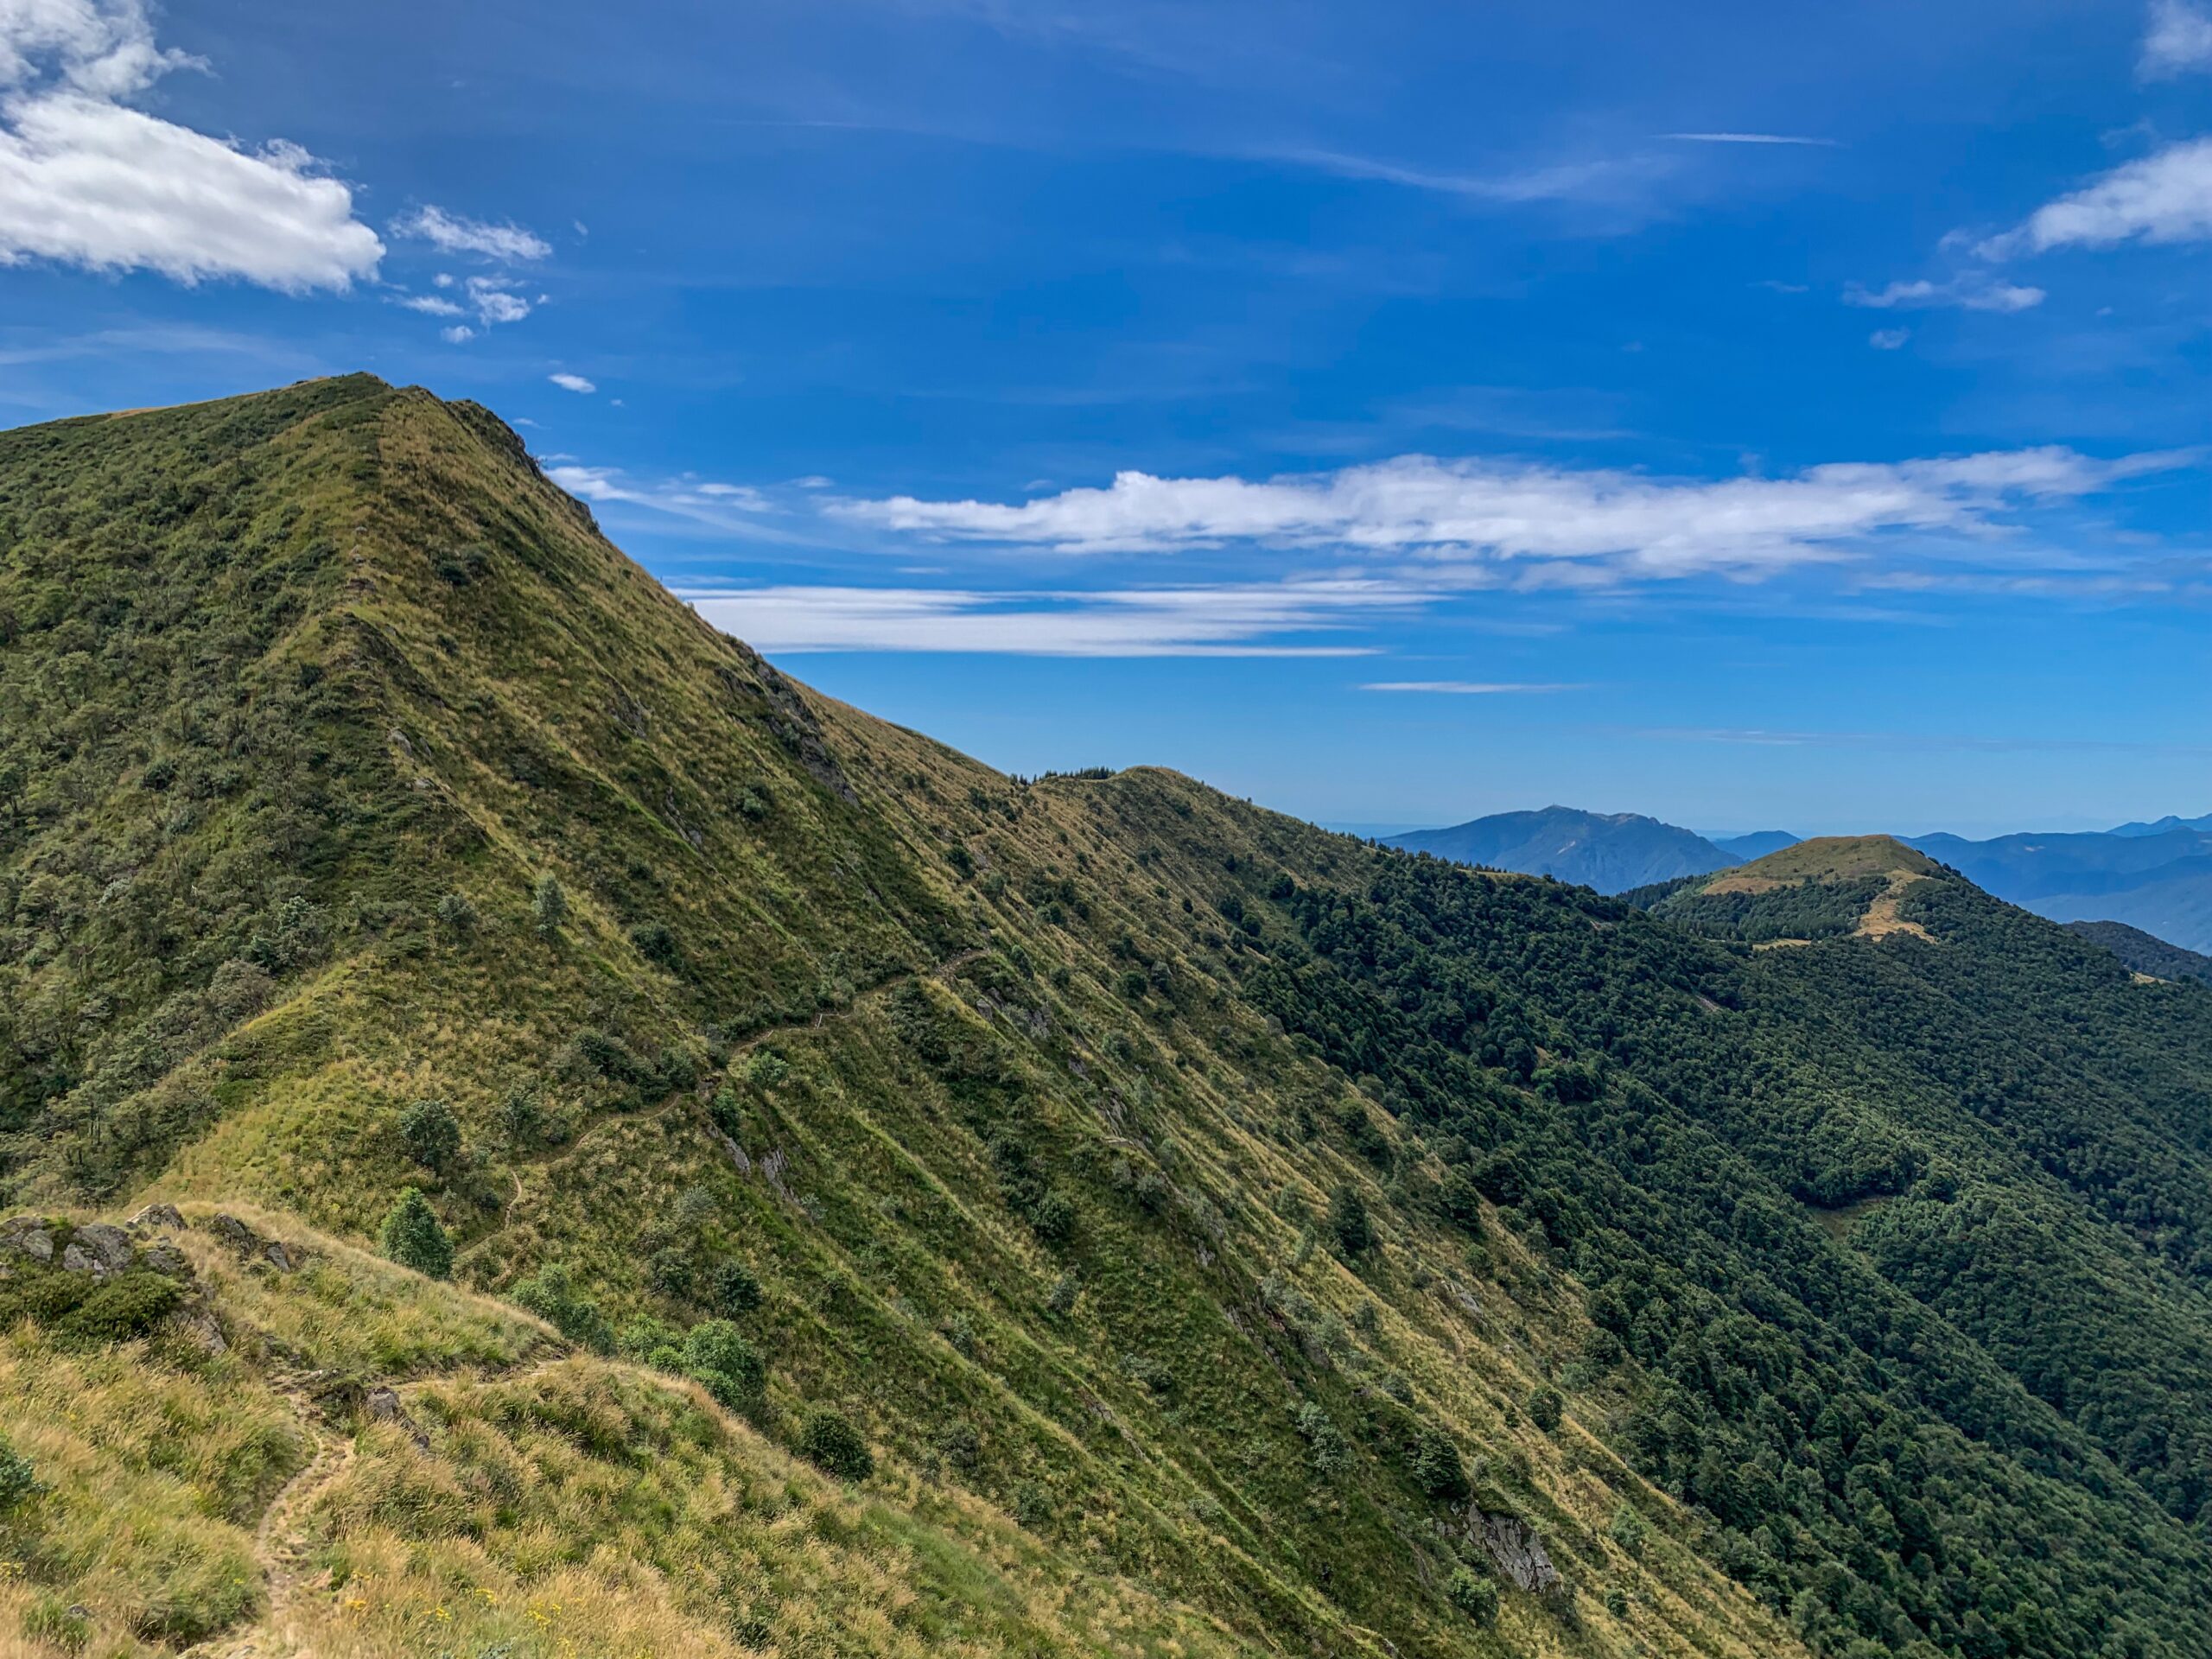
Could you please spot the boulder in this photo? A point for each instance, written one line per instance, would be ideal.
(1519, 1553)
(166, 1259)
(248, 1243)
(29, 1236)
(163, 1216)
(104, 1249)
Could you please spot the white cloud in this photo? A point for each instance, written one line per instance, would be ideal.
(1972, 292)
(709, 502)
(1559, 182)
(1233, 620)
(452, 234)
(1464, 688)
(86, 180)
(569, 382)
(1889, 340)
(429, 305)
(2178, 40)
(494, 302)
(1749, 138)
(1481, 521)
(457, 335)
(2166, 197)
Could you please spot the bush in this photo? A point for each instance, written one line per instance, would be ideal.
(522, 1117)
(1629, 1530)
(958, 1444)
(766, 1070)
(1435, 1466)
(1348, 1221)
(736, 1289)
(125, 1307)
(551, 1293)
(19, 1481)
(1053, 1217)
(431, 1133)
(672, 1271)
(729, 1367)
(1061, 1297)
(827, 1440)
(457, 915)
(413, 1238)
(1544, 1407)
(655, 944)
(549, 906)
(1326, 1449)
(1474, 1596)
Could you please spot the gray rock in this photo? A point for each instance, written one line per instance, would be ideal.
(198, 1325)
(165, 1215)
(108, 1246)
(1519, 1553)
(165, 1258)
(75, 1260)
(29, 1236)
(277, 1253)
(234, 1233)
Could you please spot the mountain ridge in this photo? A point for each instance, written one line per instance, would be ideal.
(1292, 1244)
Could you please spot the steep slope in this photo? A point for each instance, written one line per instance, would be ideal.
(2143, 953)
(1299, 1245)
(1611, 852)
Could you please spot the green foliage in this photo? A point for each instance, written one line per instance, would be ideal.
(456, 913)
(1348, 1222)
(736, 1289)
(826, 1439)
(19, 1481)
(551, 1293)
(1473, 1595)
(1629, 1529)
(549, 906)
(718, 1355)
(412, 1236)
(1544, 1406)
(1326, 1450)
(431, 1133)
(1433, 1459)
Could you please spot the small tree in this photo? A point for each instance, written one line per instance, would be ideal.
(431, 1133)
(19, 1481)
(413, 1238)
(1474, 1596)
(549, 906)
(827, 1439)
(1629, 1530)
(1434, 1462)
(729, 1367)
(1544, 1407)
(736, 1289)
(1326, 1449)
(457, 915)
(1348, 1221)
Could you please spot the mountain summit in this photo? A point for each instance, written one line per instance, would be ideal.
(529, 1130)
(1609, 851)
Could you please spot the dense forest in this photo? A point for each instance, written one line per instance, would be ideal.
(1173, 1227)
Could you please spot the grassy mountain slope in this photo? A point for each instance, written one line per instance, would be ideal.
(1206, 1219)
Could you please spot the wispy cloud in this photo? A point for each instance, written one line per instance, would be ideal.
(454, 234)
(1751, 138)
(727, 506)
(1245, 619)
(1970, 291)
(2161, 198)
(87, 181)
(1480, 522)
(2178, 40)
(1889, 340)
(1467, 687)
(1604, 178)
(569, 382)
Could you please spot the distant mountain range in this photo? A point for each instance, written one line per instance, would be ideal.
(2154, 877)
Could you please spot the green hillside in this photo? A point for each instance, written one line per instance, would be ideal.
(1166, 1226)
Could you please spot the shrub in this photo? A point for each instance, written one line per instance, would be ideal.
(1435, 1466)
(1544, 1407)
(736, 1289)
(522, 1117)
(549, 906)
(1629, 1529)
(826, 1439)
(551, 1293)
(1061, 1297)
(1326, 1449)
(1053, 1217)
(431, 1133)
(1474, 1596)
(19, 1481)
(457, 915)
(413, 1238)
(655, 944)
(1617, 1602)
(766, 1070)
(958, 1443)
(1135, 984)
(1348, 1221)
(729, 1367)
(672, 1271)
(126, 1306)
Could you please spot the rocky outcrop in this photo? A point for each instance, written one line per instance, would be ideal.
(248, 1243)
(97, 1249)
(1518, 1554)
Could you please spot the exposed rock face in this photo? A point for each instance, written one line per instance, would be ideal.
(1519, 1553)
(248, 1243)
(97, 1249)
(29, 1236)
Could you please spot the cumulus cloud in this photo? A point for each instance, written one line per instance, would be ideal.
(452, 234)
(1971, 291)
(1243, 620)
(1482, 521)
(569, 382)
(2178, 40)
(2161, 198)
(87, 181)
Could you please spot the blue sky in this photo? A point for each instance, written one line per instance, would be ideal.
(1751, 415)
